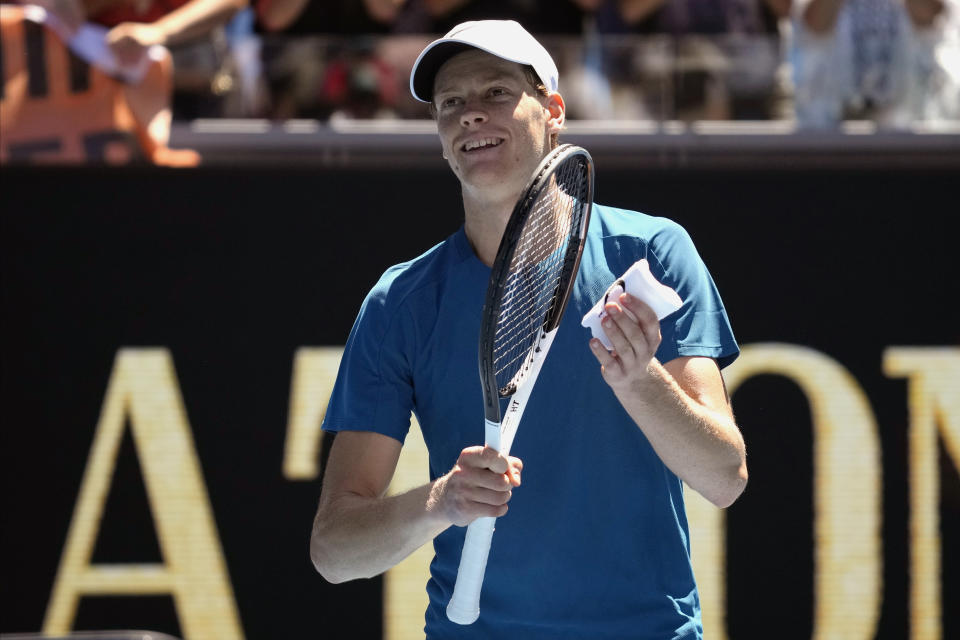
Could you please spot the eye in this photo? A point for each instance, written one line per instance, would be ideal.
(498, 91)
(449, 101)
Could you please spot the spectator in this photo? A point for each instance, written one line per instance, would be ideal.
(543, 17)
(192, 29)
(135, 25)
(100, 112)
(872, 59)
(729, 48)
(341, 70)
(342, 17)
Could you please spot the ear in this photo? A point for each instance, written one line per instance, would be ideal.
(558, 112)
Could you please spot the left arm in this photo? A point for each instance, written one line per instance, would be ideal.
(681, 406)
(194, 19)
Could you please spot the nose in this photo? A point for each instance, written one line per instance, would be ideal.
(472, 115)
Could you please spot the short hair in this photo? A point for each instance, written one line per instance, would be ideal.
(542, 90)
(531, 75)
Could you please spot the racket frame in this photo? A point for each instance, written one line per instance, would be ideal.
(464, 605)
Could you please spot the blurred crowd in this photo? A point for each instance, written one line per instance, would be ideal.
(819, 62)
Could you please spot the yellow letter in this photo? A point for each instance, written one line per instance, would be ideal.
(314, 372)
(846, 465)
(708, 554)
(143, 385)
(934, 398)
(405, 585)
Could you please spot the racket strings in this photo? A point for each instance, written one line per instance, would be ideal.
(536, 272)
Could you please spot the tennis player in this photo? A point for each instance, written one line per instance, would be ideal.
(595, 543)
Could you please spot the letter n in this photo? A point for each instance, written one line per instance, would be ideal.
(143, 388)
(934, 401)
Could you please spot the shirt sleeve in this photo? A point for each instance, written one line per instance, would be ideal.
(374, 388)
(701, 326)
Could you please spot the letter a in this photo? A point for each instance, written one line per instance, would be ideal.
(143, 386)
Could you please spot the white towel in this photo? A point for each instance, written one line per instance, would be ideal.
(640, 283)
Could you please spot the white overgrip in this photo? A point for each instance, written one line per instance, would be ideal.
(464, 606)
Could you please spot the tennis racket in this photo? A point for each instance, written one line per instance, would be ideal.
(530, 285)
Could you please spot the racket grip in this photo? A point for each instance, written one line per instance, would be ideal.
(464, 606)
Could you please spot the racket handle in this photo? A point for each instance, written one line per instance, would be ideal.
(464, 607)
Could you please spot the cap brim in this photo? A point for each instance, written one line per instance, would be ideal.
(429, 63)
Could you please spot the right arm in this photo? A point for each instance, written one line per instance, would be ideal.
(360, 532)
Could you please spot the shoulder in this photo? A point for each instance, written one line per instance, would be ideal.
(612, 221)
(624, 236)
(427, 270)
(408, 296)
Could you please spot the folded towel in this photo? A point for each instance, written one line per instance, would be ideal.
(640, 283)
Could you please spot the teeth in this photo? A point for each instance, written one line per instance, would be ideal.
(477, 144)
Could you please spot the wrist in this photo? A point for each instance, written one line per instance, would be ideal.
(435, 502)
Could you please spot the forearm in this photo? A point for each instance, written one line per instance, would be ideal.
(702, 446)
(358, 537)
(196, 18)
(277, 15)
(633, 11)
(820, 16)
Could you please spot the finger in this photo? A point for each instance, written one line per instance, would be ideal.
(600, 351)
(487, 479)
(516, 467)
(484, 457)
(481, 496)
(494, 460)
(606, 357)
(470, 457)
(643, 312)
(610, 364)
(645, 316)
(472, 471)
(622, 333)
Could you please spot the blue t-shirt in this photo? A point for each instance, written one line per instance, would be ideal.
(596, 543)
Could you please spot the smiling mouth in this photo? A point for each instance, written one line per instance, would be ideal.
(484, 143)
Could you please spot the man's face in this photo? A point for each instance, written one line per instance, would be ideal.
(494, 127)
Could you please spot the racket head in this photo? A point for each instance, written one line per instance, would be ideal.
(534, 270)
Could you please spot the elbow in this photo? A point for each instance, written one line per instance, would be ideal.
(724, 487)
(323, 555)
(727, 492)
(323, 560)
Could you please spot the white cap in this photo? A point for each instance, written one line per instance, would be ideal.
(503, 38)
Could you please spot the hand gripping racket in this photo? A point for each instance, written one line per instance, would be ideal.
(530, 284)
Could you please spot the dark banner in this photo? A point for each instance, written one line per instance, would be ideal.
(170, 339)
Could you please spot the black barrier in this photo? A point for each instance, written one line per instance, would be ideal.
(220, 276)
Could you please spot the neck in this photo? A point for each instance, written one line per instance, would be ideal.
(484, 223)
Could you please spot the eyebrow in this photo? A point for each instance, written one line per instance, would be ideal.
(494, 75)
